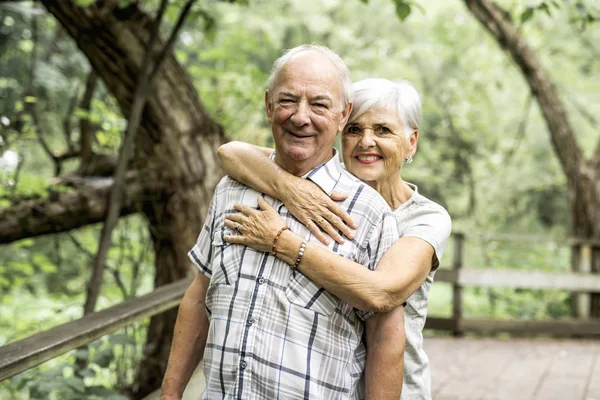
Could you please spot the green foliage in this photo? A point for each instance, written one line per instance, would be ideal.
(582, 13)
(484, 151)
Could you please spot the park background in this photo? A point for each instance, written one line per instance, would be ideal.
(509, 144)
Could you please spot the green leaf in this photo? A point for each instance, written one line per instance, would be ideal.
(75, 383)
(24, 243)
(99, 391)
(87, 373)
(30, 99)
(103, 358)
(82, 354)
(546, 8)
(527, 14)
(84, 3)
(120, 338)
(403, 9)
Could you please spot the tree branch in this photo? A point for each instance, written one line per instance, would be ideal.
(542, 88)
(143, 88)
(61, 212)
(86, 138)
(521, 129)
(17, 174)
(66, 123)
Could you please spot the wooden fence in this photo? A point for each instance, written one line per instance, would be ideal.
(581, 282)
(29, 352)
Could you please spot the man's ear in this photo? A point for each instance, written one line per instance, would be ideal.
(345, 115)
(268, 106)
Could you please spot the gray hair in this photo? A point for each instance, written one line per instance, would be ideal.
(400, 96)
(340, 67)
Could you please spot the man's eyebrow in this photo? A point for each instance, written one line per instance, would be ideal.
(322, 97)
(289, 94)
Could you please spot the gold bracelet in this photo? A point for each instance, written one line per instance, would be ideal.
(277, 238)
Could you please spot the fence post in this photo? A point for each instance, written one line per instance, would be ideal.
(584, 265)
(457, 298)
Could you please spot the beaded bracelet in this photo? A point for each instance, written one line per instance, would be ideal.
(277, 238)
(300, 254)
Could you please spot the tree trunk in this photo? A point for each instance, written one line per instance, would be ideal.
(176, 147)
(583, 176)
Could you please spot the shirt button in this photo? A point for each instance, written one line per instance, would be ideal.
(251, 321)
(261, 280)
(243, 364)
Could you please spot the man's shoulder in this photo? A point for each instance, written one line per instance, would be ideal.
(229, 191)
(228, 184)
(358, 191)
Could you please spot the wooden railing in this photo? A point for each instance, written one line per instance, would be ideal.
(27, 353)
(581, 282)
(34, 350)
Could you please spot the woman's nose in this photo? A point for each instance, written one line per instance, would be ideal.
(366, 140)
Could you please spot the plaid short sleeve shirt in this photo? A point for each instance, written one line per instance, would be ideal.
(275, 334)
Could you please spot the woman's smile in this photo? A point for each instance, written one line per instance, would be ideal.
(368, 158)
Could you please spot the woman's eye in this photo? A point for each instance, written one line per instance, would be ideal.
(384, 130)
(353, 129)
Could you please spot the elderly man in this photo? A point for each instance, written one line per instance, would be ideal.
(264, 329)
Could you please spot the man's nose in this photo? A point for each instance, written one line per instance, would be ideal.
(301, 116)
(367, 139)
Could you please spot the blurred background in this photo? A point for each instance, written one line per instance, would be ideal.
(509, 145)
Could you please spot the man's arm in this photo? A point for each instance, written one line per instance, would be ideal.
(189, 339)
(386, 340)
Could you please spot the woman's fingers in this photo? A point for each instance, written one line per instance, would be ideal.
(237, 239)
(236, 226)
(244, 209)
(338, 225)
(264, 205)
(314, 229)
(337, 196)
(236, 218)
(326, 226)
(346, 218)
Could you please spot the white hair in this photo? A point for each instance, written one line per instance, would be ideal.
(400, 96)
(340, 67)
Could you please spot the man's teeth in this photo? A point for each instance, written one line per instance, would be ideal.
(368, 158)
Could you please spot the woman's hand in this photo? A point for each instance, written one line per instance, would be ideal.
(311, 206)
(257, 229)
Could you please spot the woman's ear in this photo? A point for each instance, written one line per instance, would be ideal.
(413, 139)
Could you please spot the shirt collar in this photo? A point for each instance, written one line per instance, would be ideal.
(326, 175)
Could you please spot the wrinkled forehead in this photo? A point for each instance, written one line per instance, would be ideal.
(313, 74)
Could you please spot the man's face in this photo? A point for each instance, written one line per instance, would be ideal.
(306, 111)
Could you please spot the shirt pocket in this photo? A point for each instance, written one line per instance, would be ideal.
(305, 293)
(227, 258)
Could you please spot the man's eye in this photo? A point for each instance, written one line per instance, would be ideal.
(286, 101)
(320, 105)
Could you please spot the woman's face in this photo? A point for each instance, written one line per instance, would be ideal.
(374, 145)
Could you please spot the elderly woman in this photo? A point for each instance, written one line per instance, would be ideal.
(381, 136)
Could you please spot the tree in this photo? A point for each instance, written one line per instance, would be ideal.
(583, 175)
(174, 167)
